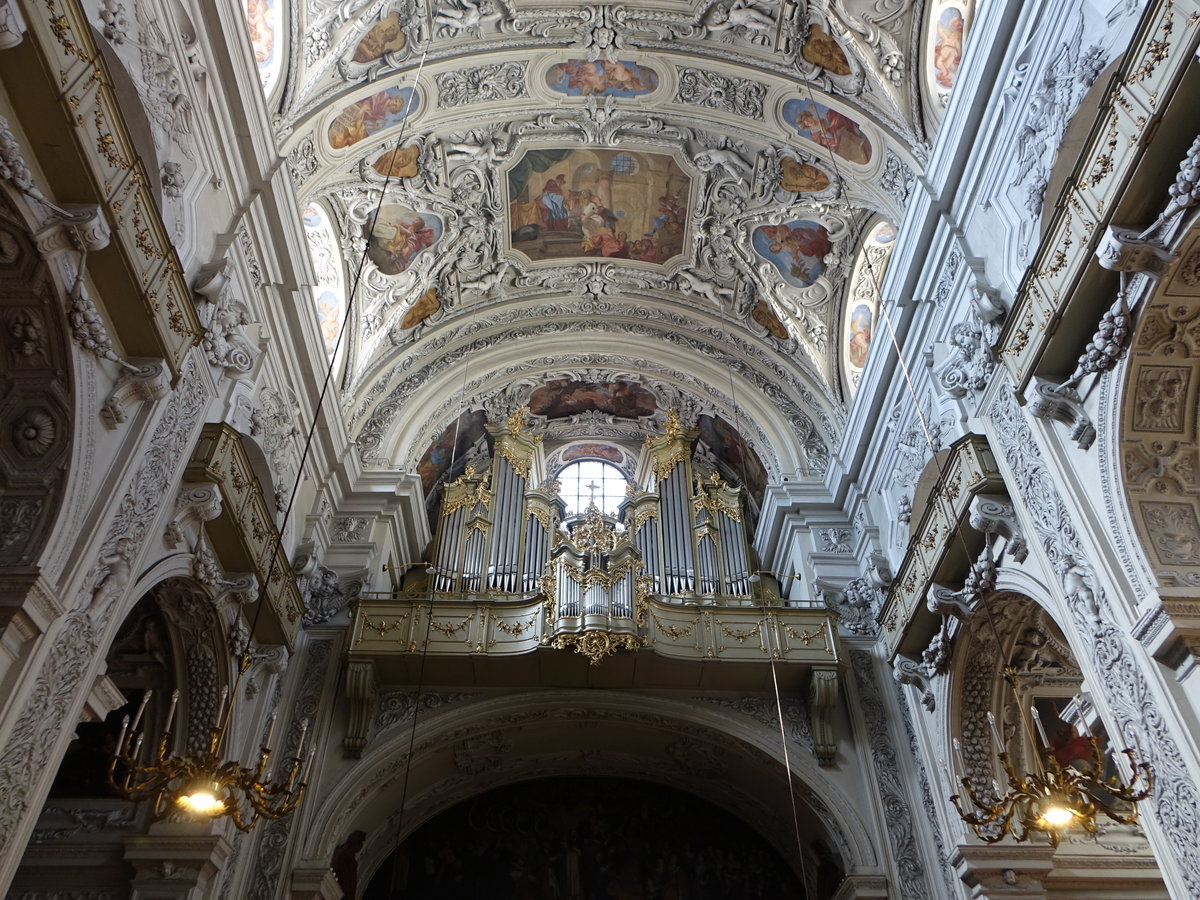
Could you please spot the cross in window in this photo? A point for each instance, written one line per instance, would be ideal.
(593, 487)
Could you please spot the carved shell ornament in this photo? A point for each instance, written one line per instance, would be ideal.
(34, 433)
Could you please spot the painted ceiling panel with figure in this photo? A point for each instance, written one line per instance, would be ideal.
(681, 185)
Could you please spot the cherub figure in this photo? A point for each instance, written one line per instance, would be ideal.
(739, 14)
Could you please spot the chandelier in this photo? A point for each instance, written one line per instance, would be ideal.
(1054, 797)
(205, 784)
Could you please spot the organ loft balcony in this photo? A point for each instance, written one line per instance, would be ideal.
(662, 594)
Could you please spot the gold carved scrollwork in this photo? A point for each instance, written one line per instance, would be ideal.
(595, 533)
(807, 637)
(596, 576)
(716, 496)
(519, 463)
(674, 426)
(740, 635)
(643, 589)
(518, 420)
(596, 645)
(516, 629)
(542, 516)
(664, 467)
(546, 585)
(380, 626)
(456, 500)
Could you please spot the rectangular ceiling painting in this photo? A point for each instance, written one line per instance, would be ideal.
(589, 202)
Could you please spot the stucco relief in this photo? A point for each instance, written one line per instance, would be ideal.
(1129, 695)
(1159, 445)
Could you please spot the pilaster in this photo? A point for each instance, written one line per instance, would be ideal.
(177, 861)
(314, 884)
(1004, 870)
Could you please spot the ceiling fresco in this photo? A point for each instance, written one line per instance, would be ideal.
(666, 194)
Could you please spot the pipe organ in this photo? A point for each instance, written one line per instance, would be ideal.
(498, 535)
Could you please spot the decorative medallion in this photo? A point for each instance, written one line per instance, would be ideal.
(862, 300)
(765, 316)
(385, 37)
(398, 163)
(801, 177)
(822, 50)
(596, 645)
(427, 304)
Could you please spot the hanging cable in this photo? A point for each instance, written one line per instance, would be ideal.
(783, 740)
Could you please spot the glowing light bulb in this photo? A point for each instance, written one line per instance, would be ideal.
(202, 801)
(1057, 816)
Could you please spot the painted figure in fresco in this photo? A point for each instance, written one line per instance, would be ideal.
(836, 132)
(669, 210)
(801, 177)
(822, 50)
(365, 117)
(586, 78)
(799, 241)
(599, 238)
(262, 35)
(394, 252)
(796, 249)
(859, 341)
(947, 52)
(384, 37)
(552, 205)
(626, 77)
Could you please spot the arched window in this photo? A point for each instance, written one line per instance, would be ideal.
(581, 482)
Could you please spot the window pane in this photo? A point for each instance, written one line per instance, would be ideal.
(584, 481)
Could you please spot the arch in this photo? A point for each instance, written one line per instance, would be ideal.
(1156, 434)
(463, 754)
(1013, 630)
(39, 400)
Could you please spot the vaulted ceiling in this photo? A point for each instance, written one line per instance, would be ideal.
(667, 197)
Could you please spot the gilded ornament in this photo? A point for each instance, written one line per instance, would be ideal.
(518, 420)
(674, 426)
(596, 645)
(519, 463)
(664, 467)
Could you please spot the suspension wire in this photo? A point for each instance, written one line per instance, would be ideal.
(787, 759)
(940, 467)
(412, 734)
(327, 380)
(324, 393)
